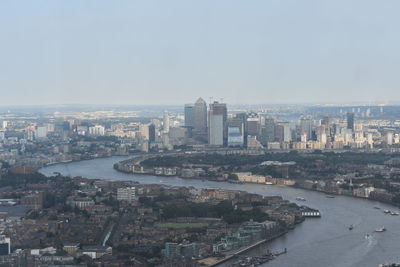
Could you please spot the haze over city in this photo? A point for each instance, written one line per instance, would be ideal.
(200, 133)
(170, 52)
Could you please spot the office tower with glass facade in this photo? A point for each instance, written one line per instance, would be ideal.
(189, 115)
(350, 121)
(200, 131)
(235, 132)
(217, 124)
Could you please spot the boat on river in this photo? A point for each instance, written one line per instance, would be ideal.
(380, 230)
(300, 198)
(351, 227)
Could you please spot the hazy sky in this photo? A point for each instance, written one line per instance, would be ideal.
(171, 52)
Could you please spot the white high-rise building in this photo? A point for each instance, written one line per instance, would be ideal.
(396, 139)
(322, 138)
(41, 132)
(166, 123)
(389, 138)
(303, 137)
(370, 140)
(97, 130)
(287, 132)
(127, 194)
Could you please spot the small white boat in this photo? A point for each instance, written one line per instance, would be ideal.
(394, 213)
(386, 211)
(300, 198)
(380, 230)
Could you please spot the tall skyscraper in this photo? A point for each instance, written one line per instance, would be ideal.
(200, 120)
(306, 125)
(243, 118)
(189, 115)
(350, 121)
(166, 123)
(253, 124)
(235, 132)
(279, 133)
(287, 132)
(152, 132)
(268, 131)
(217, 126)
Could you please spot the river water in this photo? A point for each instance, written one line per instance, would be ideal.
(316, 242)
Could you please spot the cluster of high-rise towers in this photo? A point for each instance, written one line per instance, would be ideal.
(212, 125)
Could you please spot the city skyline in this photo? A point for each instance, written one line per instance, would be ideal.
(69, 52)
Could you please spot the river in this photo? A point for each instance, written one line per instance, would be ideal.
(316, 242)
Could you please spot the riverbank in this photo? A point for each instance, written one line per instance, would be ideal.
(323, 242)
(135, 166)
(213, 261)
(124, 167)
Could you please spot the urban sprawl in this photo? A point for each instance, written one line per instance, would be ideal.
(337, 150)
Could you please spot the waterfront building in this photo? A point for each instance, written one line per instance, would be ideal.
(217, 130)
(174, 250)
(248, 233)
(250, 178)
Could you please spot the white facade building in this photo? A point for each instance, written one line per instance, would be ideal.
(127, 194)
